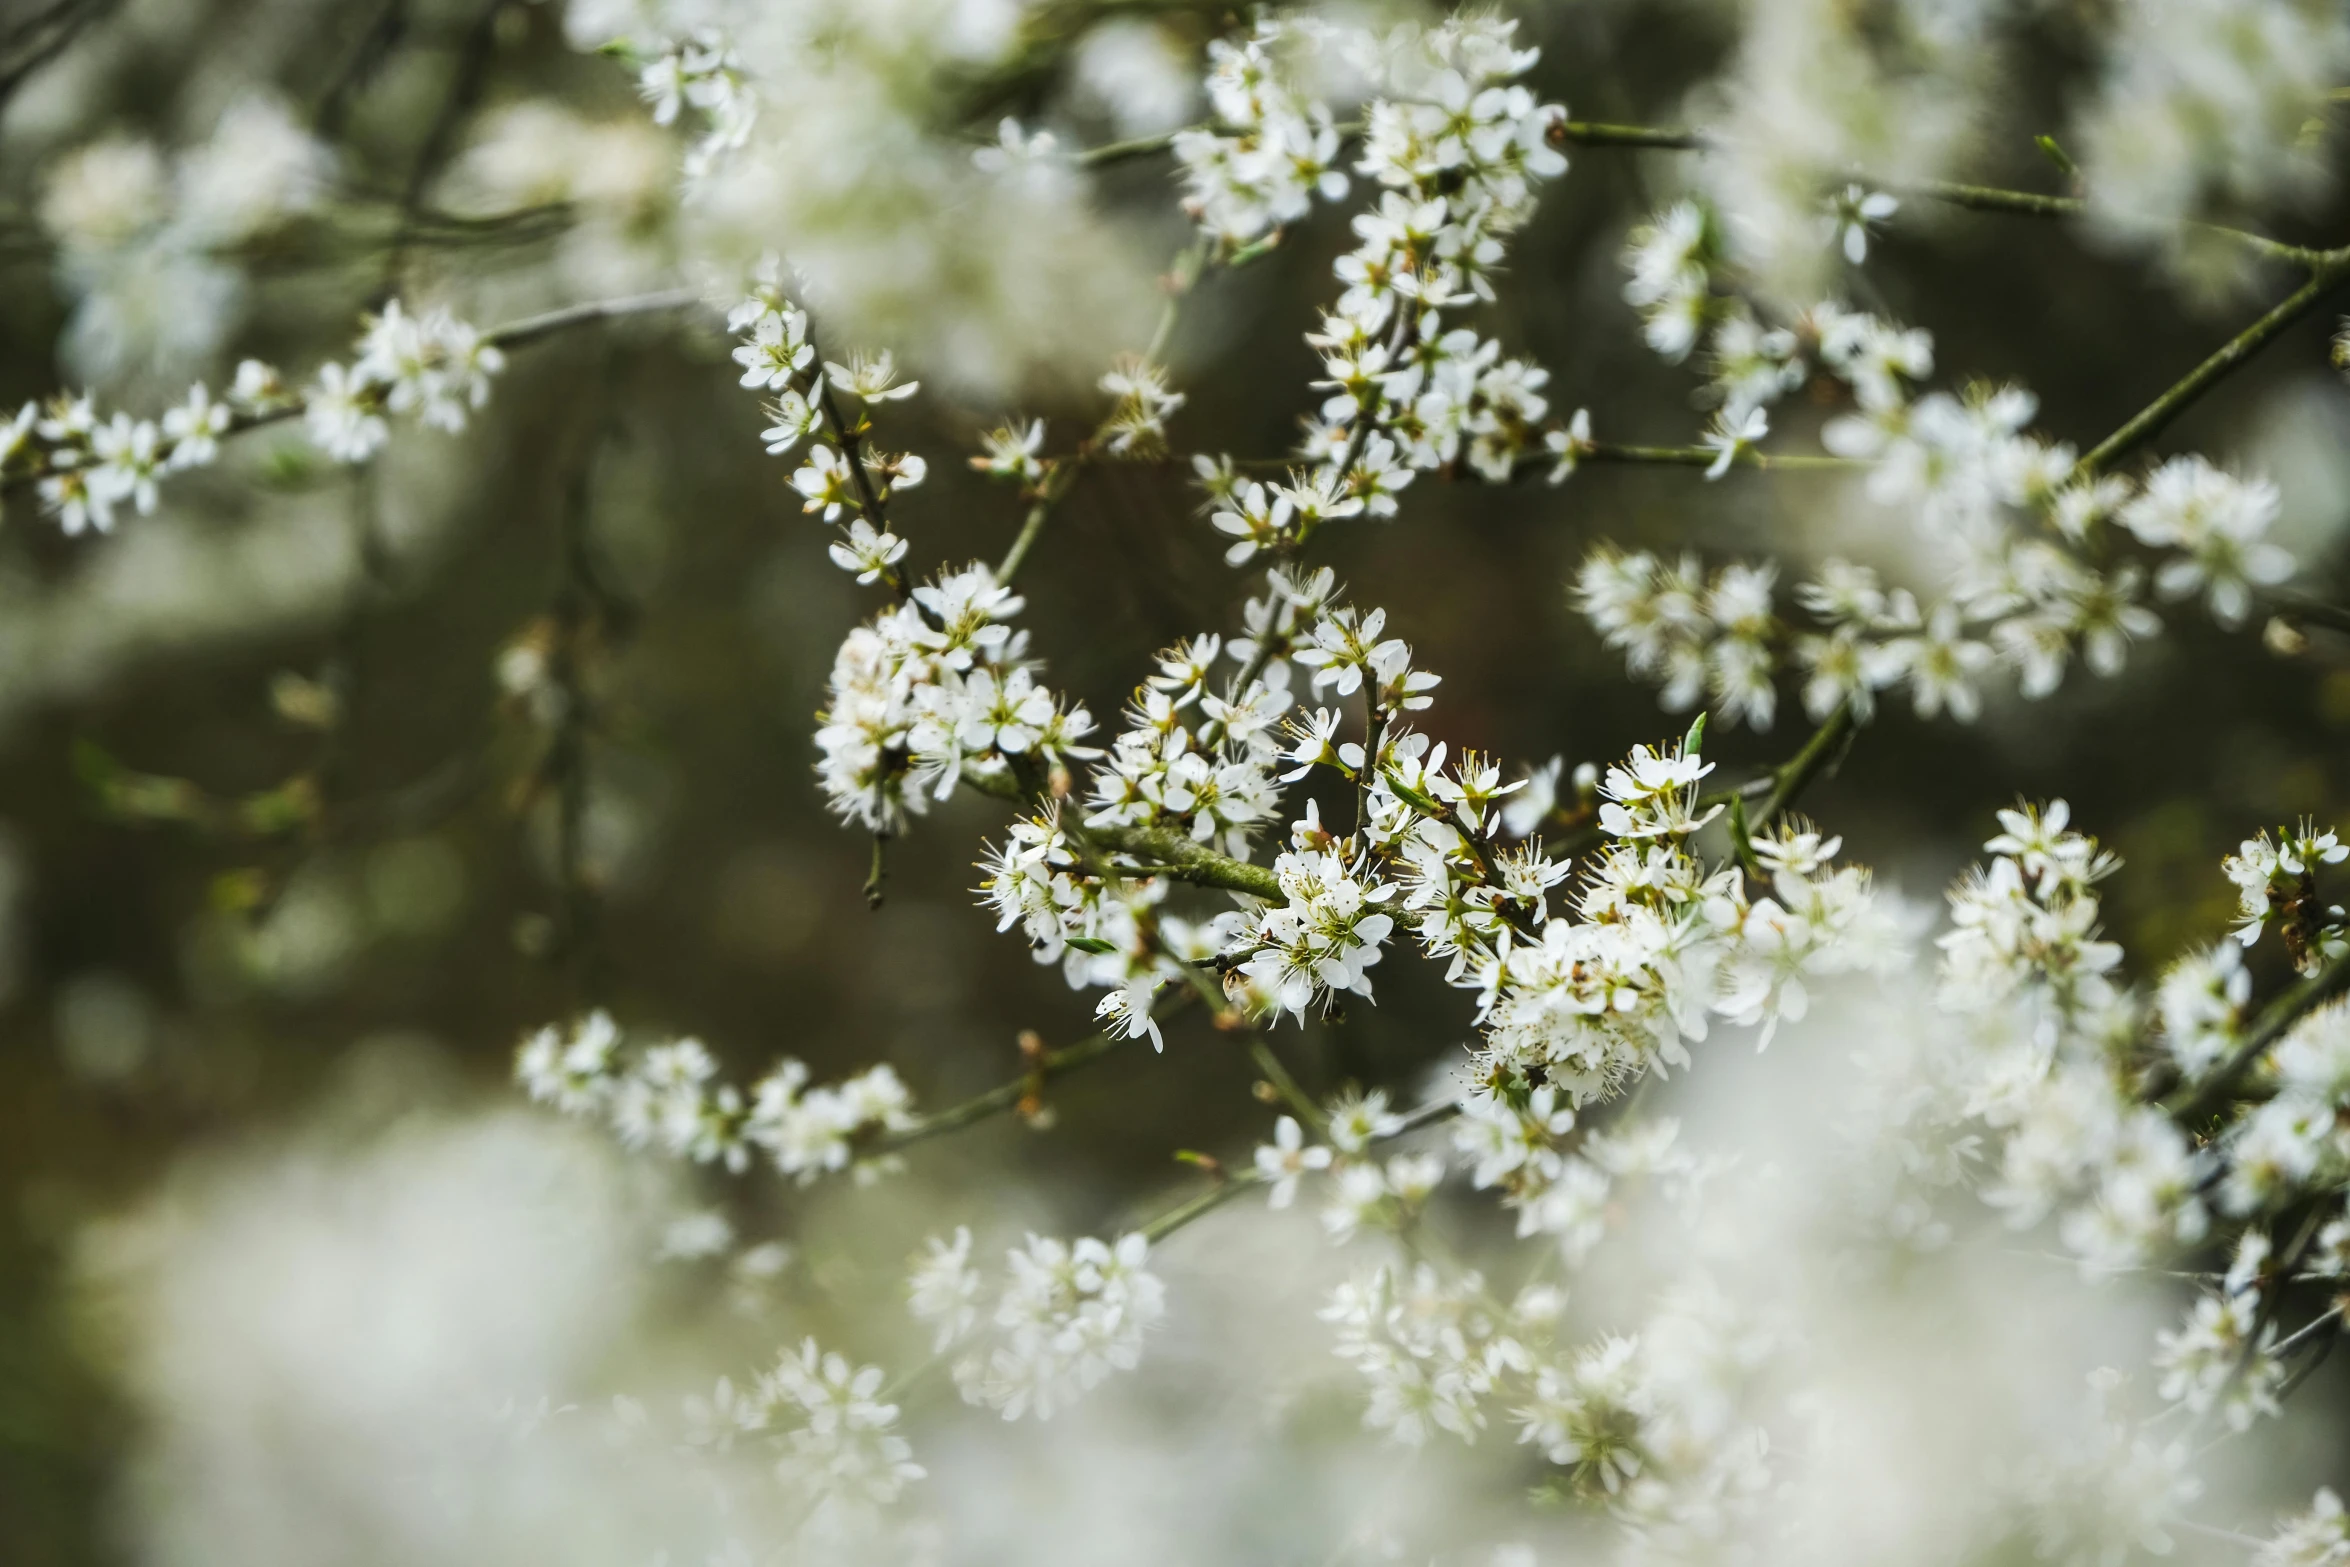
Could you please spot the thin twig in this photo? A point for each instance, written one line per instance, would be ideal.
(530, 329)
(1006, 1097)
(1056, 484)
(1228, 1187)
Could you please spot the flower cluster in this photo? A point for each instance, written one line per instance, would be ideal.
(1455, 154)
(1363, 1194)
(2225, 1354)
(852, 479)
(1066, 1316)
(2027, 531)
(1193, 765)
(1431, 1348)
(2199, 112)
(930, 691)
(1141, 402)
(1658, 941)
(2059, 1068)
(1269, 154)
(432, 367)
(841, 1447)
(668, 1096)
(701, 71)
(1323, 936)
(1194, 761)
(2279, 879)
(2319, 1537)
(835, 1437)
(1560, 1178)
(2024, 954)
(85, 466)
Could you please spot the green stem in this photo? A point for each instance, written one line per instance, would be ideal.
(1818, 756)
(1180, 281)
(1122, 151)
(1174, 855)
(1706, 456)
(1593, 133)
(1261, 1052)
(1055, 485)
(1207, 1202)
(1165, 853)
(2316, 612)
(2027, 203)
(2328, 274)
(1004, 1096)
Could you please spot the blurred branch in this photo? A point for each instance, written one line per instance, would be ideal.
(2316, 612)
(532, 329)
(323, 240)
(1179, 281)
(1590, 133)
(586, 615)
(367, 57)
(1980, 198)
(465, 91)
(30, 44)
(1707, 456)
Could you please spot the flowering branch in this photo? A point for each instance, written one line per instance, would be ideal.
(2302, 998)
(434, 366)
(1979, 198)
